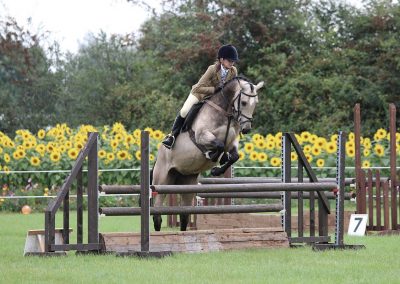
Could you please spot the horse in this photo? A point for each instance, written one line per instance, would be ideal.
(212, 138)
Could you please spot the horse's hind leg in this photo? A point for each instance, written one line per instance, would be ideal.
(186, 199)
(160, 177)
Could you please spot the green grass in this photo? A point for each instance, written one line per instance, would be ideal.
(378, 263)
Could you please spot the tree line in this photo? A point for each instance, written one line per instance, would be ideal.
(318, 58)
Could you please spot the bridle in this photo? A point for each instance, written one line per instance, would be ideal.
(231, 112)
(236, 112)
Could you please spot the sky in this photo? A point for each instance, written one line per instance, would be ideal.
(69, 21)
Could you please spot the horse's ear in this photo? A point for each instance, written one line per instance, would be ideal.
(259, 85)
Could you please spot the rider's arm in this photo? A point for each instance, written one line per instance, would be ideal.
(206, 84)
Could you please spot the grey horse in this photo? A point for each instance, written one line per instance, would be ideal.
(211, 139)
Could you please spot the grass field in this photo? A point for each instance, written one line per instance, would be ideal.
(378, 263)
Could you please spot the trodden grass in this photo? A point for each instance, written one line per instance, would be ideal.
(378, 263)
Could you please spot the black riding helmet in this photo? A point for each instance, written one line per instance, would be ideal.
(228, 52)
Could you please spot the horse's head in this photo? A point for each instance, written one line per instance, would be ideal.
(245, 101)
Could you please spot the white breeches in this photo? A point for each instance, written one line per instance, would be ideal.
(190, 101)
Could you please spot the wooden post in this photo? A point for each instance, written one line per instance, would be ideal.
(286, 178)
(300, 203)
(386, 205)
(370, 201)
(340, 165)
(145, 193)
(392, 130)
(79, 207)
(93, 194)
(357, 142)
(378, 201)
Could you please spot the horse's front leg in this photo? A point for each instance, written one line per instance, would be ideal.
(157, 220)
(214, 146)
(227, 160)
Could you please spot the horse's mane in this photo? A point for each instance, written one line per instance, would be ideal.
(229, 85)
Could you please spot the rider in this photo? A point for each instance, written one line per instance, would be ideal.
(214, 78)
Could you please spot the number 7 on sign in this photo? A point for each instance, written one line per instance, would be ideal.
(358, 224)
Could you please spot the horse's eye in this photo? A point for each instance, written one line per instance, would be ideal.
(243, 104)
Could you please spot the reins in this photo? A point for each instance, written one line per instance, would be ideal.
(232, 112)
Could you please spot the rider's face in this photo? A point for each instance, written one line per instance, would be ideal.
(226, 63)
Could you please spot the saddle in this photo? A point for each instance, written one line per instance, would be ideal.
(192, 114)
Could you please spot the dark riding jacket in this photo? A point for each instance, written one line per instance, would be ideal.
(210, 80)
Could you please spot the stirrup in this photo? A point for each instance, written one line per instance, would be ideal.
(166, 142)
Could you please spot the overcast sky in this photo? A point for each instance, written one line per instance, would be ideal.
(70, 20)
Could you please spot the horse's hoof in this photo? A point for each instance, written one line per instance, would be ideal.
(157, 220)
(216, 171)
(184, 220)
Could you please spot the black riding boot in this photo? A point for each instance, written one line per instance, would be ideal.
(169, 140)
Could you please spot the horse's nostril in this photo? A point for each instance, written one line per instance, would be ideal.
(246, 130)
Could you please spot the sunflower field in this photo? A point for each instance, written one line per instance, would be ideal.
(38, 163)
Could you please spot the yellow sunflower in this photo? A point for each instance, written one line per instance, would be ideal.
(379, 150)
(55, 156)
(138, 155)
(321, 142)
(129, 139)
(366, 164)
(110, 157)
(278, 143)
(118, 137)
(256, 137)
(122, 155)
(7, 158)
(293, 156)
(367, 143)
(253, 156)
(114, 143)
(158, 135)
(309, 157)
(275, 162)
(248, 147)
(15, 155)
(150, 130)
(331, 147)
(366, 152)
(102, 154)
(316, 150)
(320, 163)
(137, 133)
(270, 145)
(380, 134)
(261, 144)
(262, 157)
(35, 161)
(73, 153)
(307, 149)
(6, 170)
(241, 155)
(350, 151)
